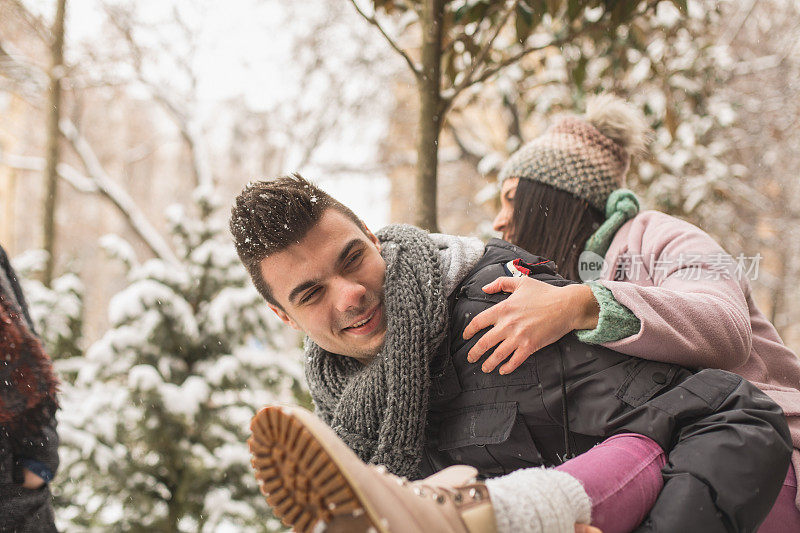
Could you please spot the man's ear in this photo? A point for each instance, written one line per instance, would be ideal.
(283, 316)
(371, 237)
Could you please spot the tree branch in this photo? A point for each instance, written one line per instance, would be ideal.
(461, 37)
(187, 129)
(735, 27)
(468, 154)
(68, 173)
(449, 97)
(515, 124)
(116, 194)
(97, 181)
(35, 22)
(309, 142)
(372, 20)
(482, 53)
(26, 79)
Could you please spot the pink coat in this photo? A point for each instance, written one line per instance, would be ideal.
(698, 316)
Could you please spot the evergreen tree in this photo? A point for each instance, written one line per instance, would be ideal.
(154, 427)
(57, 312)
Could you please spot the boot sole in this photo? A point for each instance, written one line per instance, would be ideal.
(295, 465)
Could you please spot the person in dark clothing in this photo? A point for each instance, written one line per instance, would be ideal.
(28, 438)
(569, 396)
(384, 376)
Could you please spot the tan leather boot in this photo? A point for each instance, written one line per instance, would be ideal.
(315, 483)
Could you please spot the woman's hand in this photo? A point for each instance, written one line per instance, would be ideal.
(31, 480)
(535, 315)
(583, 528)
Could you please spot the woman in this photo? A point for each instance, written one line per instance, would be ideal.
(667, 292)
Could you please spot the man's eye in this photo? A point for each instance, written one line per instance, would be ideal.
(310, 296)
(353, 259)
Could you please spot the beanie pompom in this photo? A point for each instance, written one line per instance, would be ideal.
(619, 121)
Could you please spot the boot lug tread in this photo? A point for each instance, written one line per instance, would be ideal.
(300, 481)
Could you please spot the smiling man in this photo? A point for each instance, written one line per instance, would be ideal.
(386, 363)
(330, 285)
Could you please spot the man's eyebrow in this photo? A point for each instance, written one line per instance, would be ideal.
(347, 249)
(310, 283)
(300, 288)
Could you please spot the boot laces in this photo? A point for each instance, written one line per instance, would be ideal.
(440, 494)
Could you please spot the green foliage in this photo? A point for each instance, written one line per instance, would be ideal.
(471, 53)
(664, 60)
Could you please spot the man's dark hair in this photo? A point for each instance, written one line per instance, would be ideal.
(270, 215)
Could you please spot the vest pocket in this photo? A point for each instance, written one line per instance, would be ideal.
(492, 438)
(646, 380)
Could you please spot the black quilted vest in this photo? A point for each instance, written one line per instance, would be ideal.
(563, 400)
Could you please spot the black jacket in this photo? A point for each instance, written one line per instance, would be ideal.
(23, 510)
(728, 443)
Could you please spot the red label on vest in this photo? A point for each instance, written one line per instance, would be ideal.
(518, 268)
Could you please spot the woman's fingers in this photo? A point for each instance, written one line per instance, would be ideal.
(504, 284)
(536, 315)
(491, 338)
(484, 319)
(499, 355)
(584, 528)
(490, 316)
(521, 355)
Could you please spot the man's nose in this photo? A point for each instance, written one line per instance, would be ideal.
(349, 294)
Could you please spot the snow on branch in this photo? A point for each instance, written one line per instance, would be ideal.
(21, 75)
(188, 128)
(115, 193)
(68, 173)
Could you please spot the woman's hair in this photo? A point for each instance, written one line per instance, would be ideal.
(553, 224)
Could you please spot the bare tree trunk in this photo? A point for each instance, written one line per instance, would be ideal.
(430, 120)
(53, 137)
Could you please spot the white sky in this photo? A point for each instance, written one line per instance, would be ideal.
(244, 49)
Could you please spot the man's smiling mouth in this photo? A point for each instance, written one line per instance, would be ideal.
(357, 324)
(366, 324)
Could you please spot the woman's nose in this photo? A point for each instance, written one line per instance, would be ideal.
(501, 221)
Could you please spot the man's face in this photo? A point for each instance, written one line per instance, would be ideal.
(330, 285)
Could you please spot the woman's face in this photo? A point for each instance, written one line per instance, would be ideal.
(502, 222)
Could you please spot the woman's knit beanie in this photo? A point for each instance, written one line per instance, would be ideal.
(587, 156)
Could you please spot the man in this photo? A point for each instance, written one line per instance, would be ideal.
(376, 311)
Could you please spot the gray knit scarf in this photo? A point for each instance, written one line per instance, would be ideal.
(379, 409)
